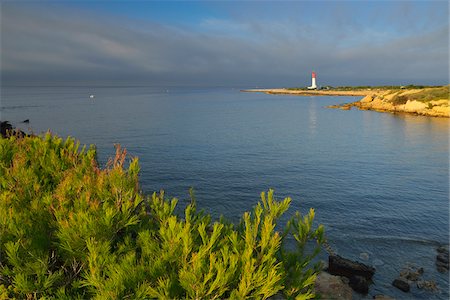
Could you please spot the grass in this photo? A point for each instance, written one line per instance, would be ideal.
(423, 95)
(427, 95)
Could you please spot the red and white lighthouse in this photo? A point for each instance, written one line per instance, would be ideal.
(313, 81)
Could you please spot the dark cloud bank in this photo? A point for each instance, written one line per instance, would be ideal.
(63, 46)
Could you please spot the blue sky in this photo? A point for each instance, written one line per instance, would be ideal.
(236, 43)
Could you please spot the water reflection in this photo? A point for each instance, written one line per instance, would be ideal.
(312, 108)
(419, 126)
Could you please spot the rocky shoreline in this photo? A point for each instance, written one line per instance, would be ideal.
(7, 130)
(431, 102)
(343, 278)
(381, 103)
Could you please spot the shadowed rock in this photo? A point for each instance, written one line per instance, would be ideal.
(5, 127)
(7, 130)
(429, 285)
(411, 273)
(402, 284)
(359, 284)
(442, 261)
(332, 287)
(338, 265)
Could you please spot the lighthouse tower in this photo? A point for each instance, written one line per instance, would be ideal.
(313, 81)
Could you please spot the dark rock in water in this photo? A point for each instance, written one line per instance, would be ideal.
(442, 249)
(359, 284)
(412, 273)
(442, 262)
(402, 284)
(441, 267)
(5, 127)
(338, 265)
(443, 257)
(26, 121)
(429, 285)
(6, 130)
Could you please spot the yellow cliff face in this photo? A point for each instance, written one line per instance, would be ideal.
(432, 102)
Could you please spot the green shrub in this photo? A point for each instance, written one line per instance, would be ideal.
(399, 99)
(69, 230)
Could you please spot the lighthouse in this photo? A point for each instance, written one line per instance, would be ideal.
(313, 81)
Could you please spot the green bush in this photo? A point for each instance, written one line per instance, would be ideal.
(69, 230)
(399, 99)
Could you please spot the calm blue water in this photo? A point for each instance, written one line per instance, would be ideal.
(379, 182)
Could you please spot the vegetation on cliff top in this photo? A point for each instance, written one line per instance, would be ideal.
(369, 87)
(423, 95)
(70, 230)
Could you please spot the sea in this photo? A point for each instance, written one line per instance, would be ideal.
(379, 182)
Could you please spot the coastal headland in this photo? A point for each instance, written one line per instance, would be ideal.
(425, 101)
(302, 92)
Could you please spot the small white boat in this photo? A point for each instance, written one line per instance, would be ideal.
(92, 96)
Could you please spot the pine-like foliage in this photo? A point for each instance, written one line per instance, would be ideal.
(69, 230)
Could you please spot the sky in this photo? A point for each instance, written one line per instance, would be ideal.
(224, 43)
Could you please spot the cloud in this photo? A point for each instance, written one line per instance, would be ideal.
(80, 46)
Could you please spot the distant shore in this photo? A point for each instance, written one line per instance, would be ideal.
(426, 101)
(310, 92)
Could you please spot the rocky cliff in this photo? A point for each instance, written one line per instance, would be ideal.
(433, 102)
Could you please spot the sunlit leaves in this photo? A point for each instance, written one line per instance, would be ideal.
(69, 230)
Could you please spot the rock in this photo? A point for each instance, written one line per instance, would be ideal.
(367, 99)
(411, 273)
(441, 268)
(382, 297)
(414, 106)
(7, 130)
(442, 259)
(429, 285)
(5, 127)
(441, 111)
(393, 101)
(377, 101)
(338, 265)
(402, 284)
(359, 284)
(442, 249)
(332, 287)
